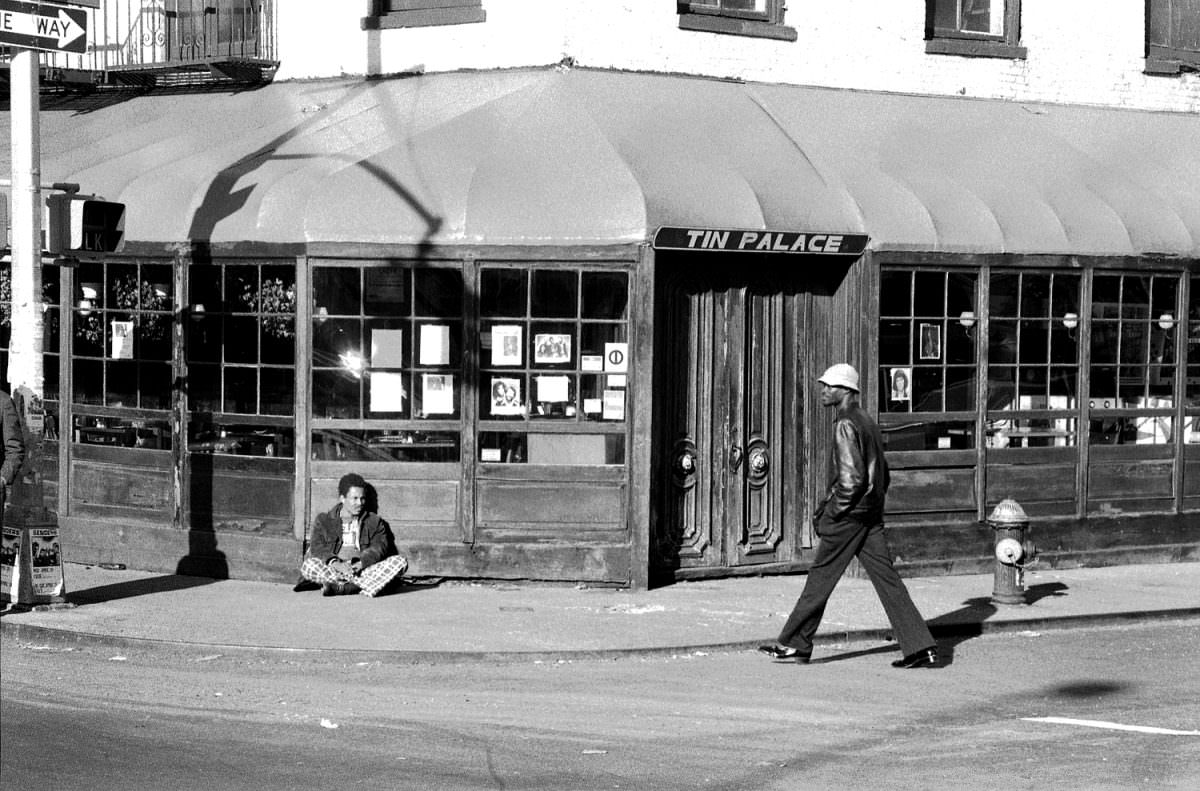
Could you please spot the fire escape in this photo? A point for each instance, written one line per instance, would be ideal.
(166, 44)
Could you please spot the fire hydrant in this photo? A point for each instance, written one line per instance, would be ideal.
(1013, 551)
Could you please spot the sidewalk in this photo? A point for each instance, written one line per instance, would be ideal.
(468, 621)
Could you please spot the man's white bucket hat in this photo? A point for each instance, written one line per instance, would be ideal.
(840, 375)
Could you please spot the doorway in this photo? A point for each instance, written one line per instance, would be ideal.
(731, 391)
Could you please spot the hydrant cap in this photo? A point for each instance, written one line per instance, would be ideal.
(1008, 512)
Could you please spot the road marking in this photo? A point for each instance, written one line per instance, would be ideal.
(1112, 726)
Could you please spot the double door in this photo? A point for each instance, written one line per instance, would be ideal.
(731, 473)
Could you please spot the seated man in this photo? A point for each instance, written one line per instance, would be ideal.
(352, 549)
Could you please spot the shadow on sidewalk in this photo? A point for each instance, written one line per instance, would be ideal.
(131, 588)
(956, 627)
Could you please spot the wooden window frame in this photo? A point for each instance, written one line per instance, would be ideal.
(1167, 54)
(953, 41)
(388, 14)
(711, 17)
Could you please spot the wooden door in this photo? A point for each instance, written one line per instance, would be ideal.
(731, 477)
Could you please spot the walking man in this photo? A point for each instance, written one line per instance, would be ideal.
(849, 524)
(12, 447)
(352, 548)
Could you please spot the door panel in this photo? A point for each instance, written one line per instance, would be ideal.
(731, 386)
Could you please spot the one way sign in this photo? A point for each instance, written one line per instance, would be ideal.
(43, 26)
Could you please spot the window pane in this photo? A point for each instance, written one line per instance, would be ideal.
(1004, 298)
(385, 292)
(502, 292)
(605, 295)
(895, 291)
(242, 332)
(894, 343)
(155, 385)
(336, 394)
(204, 388)
(437, 292)
(1035, 295)
(554, 294)
(336, 290)
(929, 295)
(241, 390)
(933, 435)
(278, 391)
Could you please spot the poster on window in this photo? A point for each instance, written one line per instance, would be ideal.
(616, 358)
(506, 396)
(901, 384)
(387, 392)
(46, 556)
(122, 340)
(551, 348)
(437, 394)
(553, 389)
(506, 344)
(614, 405)
(435, 344)
(387, 348)
(931, 342)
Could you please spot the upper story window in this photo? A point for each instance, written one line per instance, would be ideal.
(981, 28)
(422, 13)
(762, 18)
(1172, 36)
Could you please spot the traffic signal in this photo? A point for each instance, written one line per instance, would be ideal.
(84, 224)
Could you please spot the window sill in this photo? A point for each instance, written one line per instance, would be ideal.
(708, 23)
(972, 48)
(429, 17)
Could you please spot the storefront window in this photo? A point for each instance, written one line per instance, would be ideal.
(51, 320)
(553, 348)
(240, 353)
(387, 354)
(927, 356)
(1033, 358)
(1133, 358)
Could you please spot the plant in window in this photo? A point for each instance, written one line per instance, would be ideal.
(138, 296)
(273, 297)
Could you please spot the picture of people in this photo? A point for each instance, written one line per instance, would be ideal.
(549, 348)
(506, 396)
(901, 377)
(931, 342)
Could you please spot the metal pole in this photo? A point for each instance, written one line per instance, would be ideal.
(25, 349)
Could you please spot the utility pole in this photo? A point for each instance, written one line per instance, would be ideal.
(25, 350)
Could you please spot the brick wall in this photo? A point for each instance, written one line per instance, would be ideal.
(1079, 51)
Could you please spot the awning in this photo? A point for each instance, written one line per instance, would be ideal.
(577, 156)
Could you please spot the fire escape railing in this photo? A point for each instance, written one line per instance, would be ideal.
(169, 43)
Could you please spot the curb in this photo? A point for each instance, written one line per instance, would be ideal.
(70, 639)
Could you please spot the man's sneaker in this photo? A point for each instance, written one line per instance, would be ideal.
(339, 589)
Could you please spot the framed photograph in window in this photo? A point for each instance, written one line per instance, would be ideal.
(901, 384)
(551, 348)
(931, 342)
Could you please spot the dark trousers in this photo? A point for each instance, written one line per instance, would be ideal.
(840, 542)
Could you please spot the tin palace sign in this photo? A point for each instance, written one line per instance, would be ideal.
(793, 242)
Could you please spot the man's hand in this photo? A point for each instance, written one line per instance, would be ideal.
(356, 565)
(339, 566)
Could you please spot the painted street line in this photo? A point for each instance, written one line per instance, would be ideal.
(1112, 726)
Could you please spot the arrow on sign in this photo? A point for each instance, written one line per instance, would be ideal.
(42, 27)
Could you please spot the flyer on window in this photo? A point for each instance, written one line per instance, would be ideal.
(553, 389)
(614, 405)
(437, 394)
(387, 348)
(387, 392)
(506, 344)
(10, 567)
(122, 340)
(506, 396)
(435, 344)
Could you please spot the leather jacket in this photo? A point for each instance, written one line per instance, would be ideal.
(858, 472)
(375, 539)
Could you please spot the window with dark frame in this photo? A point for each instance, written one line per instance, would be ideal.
(1172, 36)
(385, 14)
(554, 349)
(927, 358)
(759, 18)
(240, 355)
(1191, 390)
(1033, 358)
(123, 318)
(976, 28)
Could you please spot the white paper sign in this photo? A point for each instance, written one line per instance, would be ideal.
(616, 357)
(435, 344)
(506, 344)
(387, 392)
(437, 394)
(122, 340)
(592, 362)
(552, 388)
(614, 404)
(591, 406)
(387, 348)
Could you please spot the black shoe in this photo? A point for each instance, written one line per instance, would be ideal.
(306, 585)
(926, 657)
(339, 589)
(783, 653)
